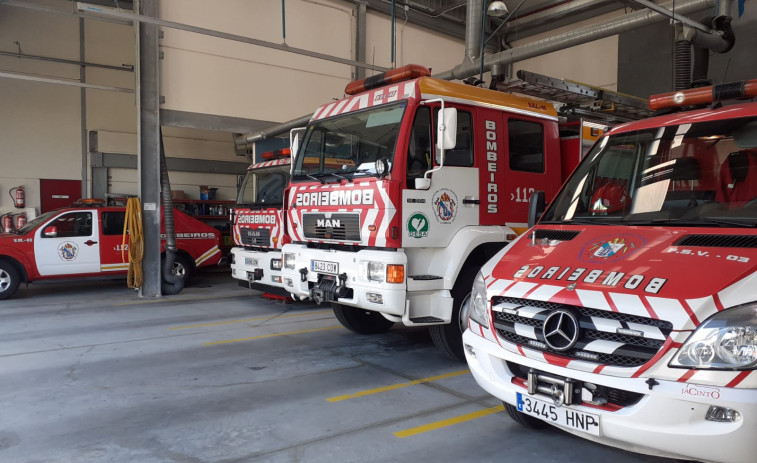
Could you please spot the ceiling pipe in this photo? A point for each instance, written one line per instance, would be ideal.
(575, 37)
(473, 28)
(524, 24)
(243, 143)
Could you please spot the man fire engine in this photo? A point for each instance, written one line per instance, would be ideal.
(419, 182)
(86, 241)
(258, 223)
(628, 315)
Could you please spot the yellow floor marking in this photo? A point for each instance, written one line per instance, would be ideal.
(243, 320)
(270, 335)
(182, 299)
(397, 386)
(449, 422)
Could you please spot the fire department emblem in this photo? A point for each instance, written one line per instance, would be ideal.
(417, 226)
(68, 251)
(445, 205)
(611, 248)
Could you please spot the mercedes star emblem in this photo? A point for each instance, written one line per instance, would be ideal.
(561, 330)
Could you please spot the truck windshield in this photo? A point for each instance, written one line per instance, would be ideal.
(702, 174)
(34, 223)
(349, 145)
(263, 187)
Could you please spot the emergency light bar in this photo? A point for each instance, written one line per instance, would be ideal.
(407, 72)
(704, 95)
(277, 154)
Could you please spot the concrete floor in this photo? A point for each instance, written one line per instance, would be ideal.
(91, 373)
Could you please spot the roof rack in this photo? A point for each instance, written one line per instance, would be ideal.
(579, 100)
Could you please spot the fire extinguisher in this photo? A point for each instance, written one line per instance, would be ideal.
(17, 194)
(20, 220)
(7, 223)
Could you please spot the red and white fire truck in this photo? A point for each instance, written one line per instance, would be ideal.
(417, 182)
(258, 223)
(87, 241)
(628, 314)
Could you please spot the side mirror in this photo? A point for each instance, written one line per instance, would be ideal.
(446, 129)
(536, 206)
(423, 183)
(50, 232)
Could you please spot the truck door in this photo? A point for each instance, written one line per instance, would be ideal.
(71, 246)
(111, 242)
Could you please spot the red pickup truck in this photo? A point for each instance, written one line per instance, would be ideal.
(86, 242)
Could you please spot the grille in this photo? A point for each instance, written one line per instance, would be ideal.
(256, 237)
(521, 321)
(338, 227)
(718, 241)
(559, 235)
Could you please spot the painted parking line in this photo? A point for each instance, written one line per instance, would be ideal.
(397, 386)
(252, 338)
(449, 422)
(255, 319)
(177, 299)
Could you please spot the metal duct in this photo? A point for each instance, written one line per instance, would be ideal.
(554, 14)
(577, 37)
(243, 143)
(473, 30)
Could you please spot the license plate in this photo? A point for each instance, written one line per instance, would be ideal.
(551, 413)
(321, 266)
(250, 261)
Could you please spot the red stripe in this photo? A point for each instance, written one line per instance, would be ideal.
(649, 308)
(528, 293)
(481, 328)
(553, 359)
(738, 379)
(669, 344)
(686, 376)
(718, 302)
(611, 303)
(502, 293)
(599, 369)
(520, 349)
(690, 312)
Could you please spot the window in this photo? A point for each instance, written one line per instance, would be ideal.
(72, 224)
(113, 223)
(526, 146)
(419, 147)
(462, 154)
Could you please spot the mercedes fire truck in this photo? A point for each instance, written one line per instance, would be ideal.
(404, 188)
(628, 314)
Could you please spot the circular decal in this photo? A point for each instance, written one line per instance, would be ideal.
(417, 226)
(68, 251)
(612, 248)
(445, 205)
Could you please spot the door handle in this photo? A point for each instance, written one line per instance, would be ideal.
(90, 242)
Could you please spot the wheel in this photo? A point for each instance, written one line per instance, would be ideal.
(523, 419)
(360, 320)
(182, 266)
(9, 279)
(449, 338)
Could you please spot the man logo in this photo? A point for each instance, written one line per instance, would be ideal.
(328, 223)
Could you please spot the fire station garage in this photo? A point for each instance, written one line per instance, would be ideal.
(378, 230)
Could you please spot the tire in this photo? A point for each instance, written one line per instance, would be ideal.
(182, 266)
(360, 320)
(449, 338)
(524, 420)
(9, 279)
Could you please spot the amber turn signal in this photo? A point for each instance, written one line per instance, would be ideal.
(395, 273)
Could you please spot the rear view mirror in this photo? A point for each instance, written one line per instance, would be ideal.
(536, 206)
(446, 129)
(50, 232)
(746, 136)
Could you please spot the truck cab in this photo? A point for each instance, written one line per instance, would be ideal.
(628, 314)
(258, 226)
(87, 242)
(403, 189)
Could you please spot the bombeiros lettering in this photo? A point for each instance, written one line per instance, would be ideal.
(335, 198)
(256, 219)
(596, 276)
(492, 195)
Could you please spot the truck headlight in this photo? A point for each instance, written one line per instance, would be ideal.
(478, 305)
(289, 258)
(727, 340)
(373, 271)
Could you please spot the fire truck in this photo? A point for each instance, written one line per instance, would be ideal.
(419, 182)
(258, 223)
(628, 314)
(86, 241)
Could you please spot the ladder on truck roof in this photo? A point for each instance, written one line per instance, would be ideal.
(579, 100)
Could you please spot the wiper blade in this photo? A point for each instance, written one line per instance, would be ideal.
(579, 221)
(693, 222)
(729, 222)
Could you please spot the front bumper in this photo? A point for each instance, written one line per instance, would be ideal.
(256, 267)
(348, 285)
(665, 422)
